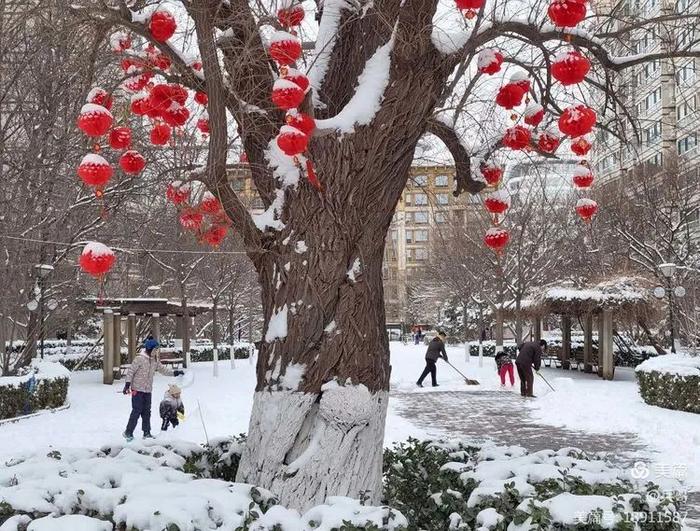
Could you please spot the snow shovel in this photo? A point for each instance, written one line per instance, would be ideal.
(545, 380)
(467, 380)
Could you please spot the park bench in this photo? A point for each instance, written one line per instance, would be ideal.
(548, 360)
(171, 359)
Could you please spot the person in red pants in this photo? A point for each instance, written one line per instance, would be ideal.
(504, 365)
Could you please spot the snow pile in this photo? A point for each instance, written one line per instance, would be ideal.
(277, 326)
(39, 371)
(675, 364)
(144, 487)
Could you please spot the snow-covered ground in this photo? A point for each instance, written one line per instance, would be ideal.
(98, 413)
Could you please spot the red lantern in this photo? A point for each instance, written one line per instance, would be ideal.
(132, 162)
(517, 137)
(548, 142)
(140, 104)
(176, 115)
(196, 65)
(120, 41)
(178, 192)
(120, 138)
(534, 113)
(285, 48)
(295, 76)
(215, 235)
(99, 96)
(566, 13)
(570, 68)
(489, 61)
(292, 141)
(497, 202)
(469, 7)
(577, 121)
(583, 178)
(203, 125)
(510, 95)
(201, 97)
(96, 259)
(132, 65)
(243, 158)
(162, 25)
(94, 120)
(94, 170)
(161, 61)
(492, 173)
(496, 239)
(191, 219)
(160, 134)
(580, 146)
(520, 79)
(286, 94)
(301, 121)
(210, 204)
(586, 208)
(164, 95)
(290, 16)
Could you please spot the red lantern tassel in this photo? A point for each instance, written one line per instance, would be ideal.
(311, 174)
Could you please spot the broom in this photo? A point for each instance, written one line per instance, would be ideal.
(467, 380)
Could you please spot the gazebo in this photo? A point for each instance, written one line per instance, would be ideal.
(114, 311)
(619, 299)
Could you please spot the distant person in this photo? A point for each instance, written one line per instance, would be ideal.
(529, 356)
(170, 407)
(139, 382)
(504, 366)
(436, 350)
(417, 337)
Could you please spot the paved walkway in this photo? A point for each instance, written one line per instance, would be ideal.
(498, 416)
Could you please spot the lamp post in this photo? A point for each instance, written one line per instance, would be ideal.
(42, 271)
(668, 270)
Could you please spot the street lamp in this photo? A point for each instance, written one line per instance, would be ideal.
(41, 271)
(668, 270)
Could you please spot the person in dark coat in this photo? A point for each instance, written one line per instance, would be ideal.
(436, 350)
(529, 356)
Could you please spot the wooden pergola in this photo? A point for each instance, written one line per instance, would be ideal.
(115, 311)
(619, 299)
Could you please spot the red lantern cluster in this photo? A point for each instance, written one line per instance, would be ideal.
(580, 146)
(291, 16)
(132, 162)
(496, 239)
(97, 259)
(567, 13)
(578, 120)
(100, 96)
(586, 208)
(469, 7)
(497, 203)
(178, 192)
(510, 95)
(491, 172)
(120, 138)
(201, 98)
(548, 142)
(215, 235)
(570, 68)
(489, 61)
(160, 134)
(534, 113)
(299, 79)
(292, 141)
(203, 125)
(210, 204)
(94, 170)
(191, 219)
(517, 137)
(287, 94)
(582, 178)
(94, 120)
(285, 48)
(120, 41)
(162, 25)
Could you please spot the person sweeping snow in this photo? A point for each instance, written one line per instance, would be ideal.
(529, 356)
(171, 407)
(436, 350)
(504, 365)
(139, 382)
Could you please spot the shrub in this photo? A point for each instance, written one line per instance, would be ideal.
(671, 381)
(207, 353)
(44, 386)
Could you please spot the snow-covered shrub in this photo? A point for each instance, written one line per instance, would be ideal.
(489, 348)
(240, 352)
(144, 486)
(442, 485)
(671, 381)
(219, 459)
(42, 385)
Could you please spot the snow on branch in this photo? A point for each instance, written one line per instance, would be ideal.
(366, 101)
(463, 175)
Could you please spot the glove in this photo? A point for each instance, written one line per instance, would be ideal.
(178, 372)
(127, 386)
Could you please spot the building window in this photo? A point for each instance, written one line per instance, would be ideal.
(443, 199)
(409, 217)
(440, 217)
(408, 198)
(421, 216)
(442, 180)
(421, 254)
(686, 74)
(421, 199)
(409, 236)
(421, 235)
(653, 133)
(421, 180)
(238, 185)
(686, 108)
(688, 143)
(653, 99)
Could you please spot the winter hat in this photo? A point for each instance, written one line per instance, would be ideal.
(150, 344)
(174, 390)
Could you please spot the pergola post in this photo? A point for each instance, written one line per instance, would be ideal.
(117, 346)
(131, 336)
(588, 343)
(186, 339)
(155, 326)
(608, 360)
(537, 329)
(108, 358)
(565, 341)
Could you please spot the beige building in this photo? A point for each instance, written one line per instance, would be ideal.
(425, 205)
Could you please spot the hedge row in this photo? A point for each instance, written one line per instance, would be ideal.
(672, 391)
(25, 395)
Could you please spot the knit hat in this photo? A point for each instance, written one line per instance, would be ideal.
(174, 390)
(150, 344)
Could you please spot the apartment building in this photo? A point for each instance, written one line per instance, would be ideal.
(661, 96)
